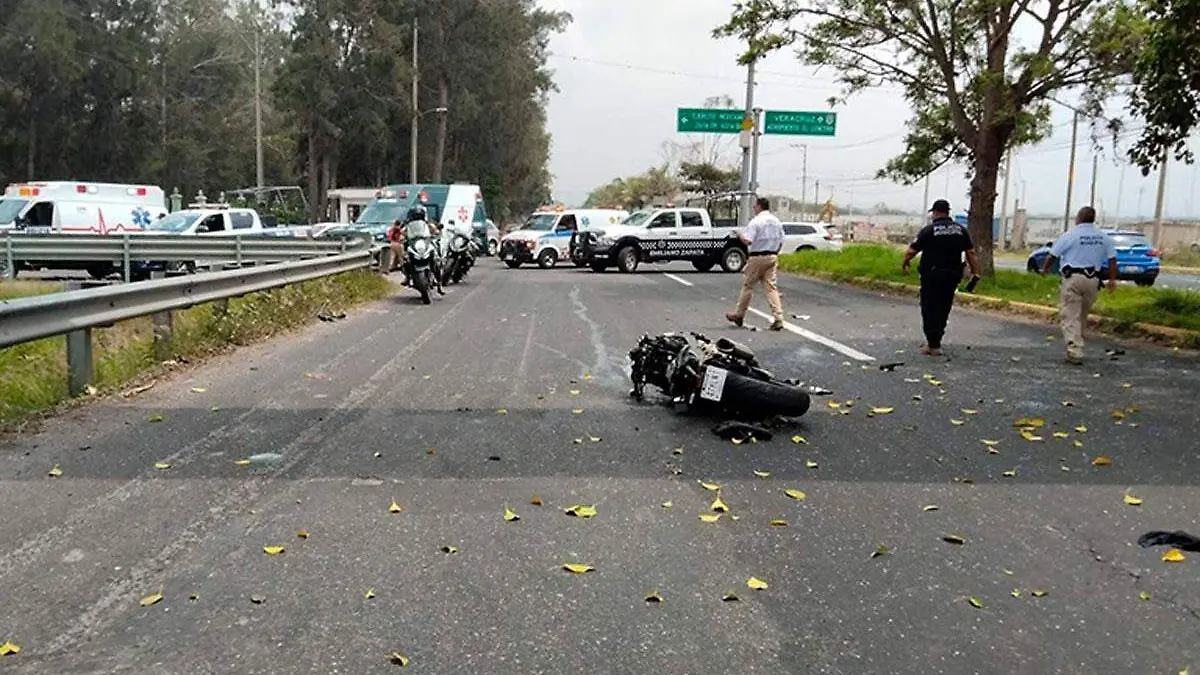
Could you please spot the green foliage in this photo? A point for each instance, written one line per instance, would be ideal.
(1130, 304)
(709, 179)
(1167, 78)
(36, 372)
(635, 192)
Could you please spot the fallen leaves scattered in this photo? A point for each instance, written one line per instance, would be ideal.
(1061, 434)
(810, 464)
(1132, 500)
(395, 508)
(303, 534)
(152, 599)
(156, 419)
(1039, 593)
(882, 550)
(577, 411)
(581, 511)
(242, 462)
(710, 517)
(958, 423)
(883, 411)
(654, 597)
(953, 539)
(795, 494)
(536, 500)
(1144, 595)
(9, 648)
(1010, 473)
(578, 568)
(710, 486)
(975, 602)
(834, 405)
(756, 583)
(398, 659)
(510, 515)
(779, 522)
(273, 550)
(730, 597)
(989, 443)
(966, 411)
(502, 411)
(799, 440)
(162, 466)
(1030, 422)
(762, 474)
(668, 504)
(930, 507)
(1174, 555)
(1081, 429)
(677, 451)
(718, 506)
(369, 594)
(1102, 461)
(449, 550)
(55, 471)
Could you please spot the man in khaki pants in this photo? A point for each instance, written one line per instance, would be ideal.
(1083, 251)
(764, 238)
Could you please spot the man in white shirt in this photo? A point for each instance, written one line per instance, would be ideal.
(763, 237)
(1083, 251)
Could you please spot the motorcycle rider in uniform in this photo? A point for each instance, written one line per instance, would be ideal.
(418, 224)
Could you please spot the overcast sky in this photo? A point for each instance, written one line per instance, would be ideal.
(624, 66)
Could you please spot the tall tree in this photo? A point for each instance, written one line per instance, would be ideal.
(709, 179)
(1166, 75)
(975, 90)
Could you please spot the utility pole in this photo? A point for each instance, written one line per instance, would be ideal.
(1120, 194)
(1158, 204)
(412, 167)
(747, 143)
(803, 178)
(1095, 169)
(754, 150)
(1071, 171)
(925, 199)
(258, 127)
(1004, 202)
(817, 195)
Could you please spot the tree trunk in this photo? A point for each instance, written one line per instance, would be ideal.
(29, 159)
(443, 119)
(326, 181)
(983, 198)
(314, 176)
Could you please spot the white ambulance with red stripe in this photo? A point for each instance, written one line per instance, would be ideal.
(71, 207)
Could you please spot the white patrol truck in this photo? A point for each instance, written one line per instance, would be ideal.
(661, 235)
(216, 220)
(546, 236)
(70, 207)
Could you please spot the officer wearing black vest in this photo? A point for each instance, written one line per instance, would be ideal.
(941, 245)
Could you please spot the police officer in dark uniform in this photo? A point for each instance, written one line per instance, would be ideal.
(941, 245)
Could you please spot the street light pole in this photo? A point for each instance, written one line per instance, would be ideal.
(1158, 202)
(1071, 171)
(803, 177)
(412, 167)
(747, 139)
(258, 122)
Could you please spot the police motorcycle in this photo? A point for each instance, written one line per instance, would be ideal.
(421, 255)
(461, 250)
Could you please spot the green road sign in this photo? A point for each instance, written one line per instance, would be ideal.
(789, 123)
(709, 120)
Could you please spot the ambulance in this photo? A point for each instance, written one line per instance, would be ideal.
(459, 202)
(70, 207)
(545, 237)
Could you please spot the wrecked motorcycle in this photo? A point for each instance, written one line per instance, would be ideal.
(715, 376)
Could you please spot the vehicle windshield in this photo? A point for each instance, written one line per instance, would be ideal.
(1127, 240)
(176, 222)
(383, 213)
(541, 222)
(637, 218)
(416, 229)
(10, 208)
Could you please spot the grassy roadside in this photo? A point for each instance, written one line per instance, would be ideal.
(35, 373)
(1129, 305)
(20, 289)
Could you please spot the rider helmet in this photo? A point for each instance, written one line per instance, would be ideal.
(417, 213)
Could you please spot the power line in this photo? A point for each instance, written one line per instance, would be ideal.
(677, 73)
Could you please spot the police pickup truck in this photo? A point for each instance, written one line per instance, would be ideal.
(660, 235)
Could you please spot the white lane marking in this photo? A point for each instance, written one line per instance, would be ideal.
(819, 339)
(685, 282)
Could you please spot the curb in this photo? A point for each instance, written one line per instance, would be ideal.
(1176, 337)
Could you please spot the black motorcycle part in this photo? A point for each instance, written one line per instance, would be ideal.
(749, 397)
(736, 350)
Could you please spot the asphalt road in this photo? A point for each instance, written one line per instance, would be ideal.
(515, 385)
(1165, 279)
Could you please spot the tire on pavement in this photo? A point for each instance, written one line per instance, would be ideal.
(733, 259)
(547, 259)
(627, 259)
(763, 399)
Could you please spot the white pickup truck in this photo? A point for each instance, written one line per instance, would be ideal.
(660, 235)
(207, 220)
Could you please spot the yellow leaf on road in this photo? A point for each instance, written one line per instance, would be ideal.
(677, 451)
(55, 471)
(719, 506)
(953, 539)
(502, 411)
(730, 597)
(736, 441)
(756, 583)
(882, 550)
(762, 474)
(581, 511)
(1102, 461)
(1061, 434)
(594, 439)
(799, 440)
(1039, 594)
(795, 494)
(1033, 422)
(162, 466)
(242, 462)
(395, 508)
(966, 411)
(1118, 415)
(668, 504)
(1011, 473)
(710, 486)
(303, 534)
(834, 404)
(369, 594)
(779, 522)
(578, 441)
(157, 418)
(574, 392)
(930, 507)
(936, 383)
(9, 648)
(1131, 500)
(808, 463)
(273, 550)
(578, 568)
(1078, 444)
(1174, 555)
(536, 501)
(398, 659)
(1144, 595)
(1032, 438)
(654, 597)
(1015, 593)
(975, 602)
(510, 515)
(1081, 429)
(449, 550)
(198, 390)
(151, 600)
(587, 376)
(883, 411)
(577, 411)
(990, 444)
(958, 423)
(710, 517)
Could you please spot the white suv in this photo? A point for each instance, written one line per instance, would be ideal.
(810, 237)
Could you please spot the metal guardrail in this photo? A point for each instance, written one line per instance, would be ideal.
(76, 313)
(121, 251)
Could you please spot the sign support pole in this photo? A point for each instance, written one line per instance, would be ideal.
(744, 210)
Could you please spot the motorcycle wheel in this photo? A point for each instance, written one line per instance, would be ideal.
(767, 399)
(421, 284)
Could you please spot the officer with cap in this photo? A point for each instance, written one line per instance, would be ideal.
(941, 245)
(1083, 251)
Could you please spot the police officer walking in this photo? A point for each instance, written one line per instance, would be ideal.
(763, 238)
(1082, 252)
(941, 245)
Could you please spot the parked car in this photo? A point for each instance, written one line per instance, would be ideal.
(810, 237)
(1137, 260)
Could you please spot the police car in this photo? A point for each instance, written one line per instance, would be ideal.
(545, 237)
(661, 235)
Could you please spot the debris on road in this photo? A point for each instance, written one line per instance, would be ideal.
(1178, 539)
(742, 431)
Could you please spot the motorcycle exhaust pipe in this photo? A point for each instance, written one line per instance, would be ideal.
(735, 349)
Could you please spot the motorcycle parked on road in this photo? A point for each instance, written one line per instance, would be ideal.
(722, 376)
(461, 251)
(421, 259)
